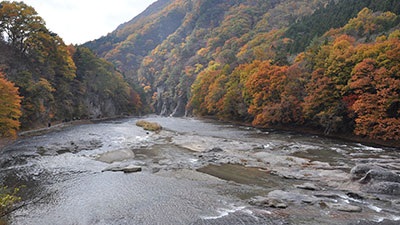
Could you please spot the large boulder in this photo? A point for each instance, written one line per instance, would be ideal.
(375, 179)
(359, 171)
(387, 188)
(149, 126)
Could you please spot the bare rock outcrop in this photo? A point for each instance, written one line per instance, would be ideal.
(375, 179)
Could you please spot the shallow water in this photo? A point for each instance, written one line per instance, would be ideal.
(65, 185)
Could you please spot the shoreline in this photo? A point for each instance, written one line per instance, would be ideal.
(302, 130)
(308, 130)
(41, 130)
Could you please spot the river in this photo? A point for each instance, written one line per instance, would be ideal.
(193, 172)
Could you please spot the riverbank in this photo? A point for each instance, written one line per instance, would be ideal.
(312, 131)
(299, 129)
(5, 141)
(343, 136)
(41, 130)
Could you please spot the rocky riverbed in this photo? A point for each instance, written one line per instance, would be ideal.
(199, 172)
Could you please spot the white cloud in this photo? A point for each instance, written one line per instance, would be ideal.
(78, 21)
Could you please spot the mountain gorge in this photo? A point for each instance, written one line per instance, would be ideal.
(271, 63)
(272, 112)
(328, 66)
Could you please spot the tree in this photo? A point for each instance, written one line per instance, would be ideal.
(368, 22)
(275, 94)
(18, 23)
(378, 100)
(10, 104)
(322, 106)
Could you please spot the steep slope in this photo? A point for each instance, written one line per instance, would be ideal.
(165, 50)
(57, 82)
(272, 63)
(333, 16)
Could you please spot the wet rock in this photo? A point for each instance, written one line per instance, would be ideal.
(326, 195)
(346, 207)
(292, 196)
(331, 178)
(375, 179)
(69, 147)
(258, 147)
(278, 160)
(355, 195)
(308, 186)
(396, 202)
(359, 171)
(132, 169)
(116, 156)
(215, 149)
(258, 201)
(388, 188)
(281, 199)
(366, 172)
(380, 175)
(201, 143)
(268, 202)
(276, 203)
(125, 169)
(384, 222)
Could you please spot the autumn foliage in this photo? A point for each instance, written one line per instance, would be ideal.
(269, 63)
(337, 85)
(57, 82)
(10, 104)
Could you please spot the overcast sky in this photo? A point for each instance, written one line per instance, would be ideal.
(78, 21)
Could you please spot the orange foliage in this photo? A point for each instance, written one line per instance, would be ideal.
(378, 103)
(276, 93)
(10, 104)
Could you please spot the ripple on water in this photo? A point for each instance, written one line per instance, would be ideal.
(67, 187)
(137, 199)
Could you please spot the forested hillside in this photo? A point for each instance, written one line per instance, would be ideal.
(55, 82)
(165, 50)
(328, 65)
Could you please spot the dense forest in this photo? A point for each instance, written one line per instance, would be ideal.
(327, 65)
(331, 66)
(44, 81)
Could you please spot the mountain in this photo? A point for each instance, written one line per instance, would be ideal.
(159, 48)
(272, 63)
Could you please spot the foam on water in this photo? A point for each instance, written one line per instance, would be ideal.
(225, 212)
(368, 148)
(375, 208)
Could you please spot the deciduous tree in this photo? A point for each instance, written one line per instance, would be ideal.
(10, 104)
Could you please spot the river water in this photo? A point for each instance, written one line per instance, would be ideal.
(64, 183)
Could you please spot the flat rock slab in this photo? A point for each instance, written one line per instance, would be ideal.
(346, 208)
(280, 160)
(116, 156)
(291, 197)
(125, 169)
(267, 202)
(308, 186)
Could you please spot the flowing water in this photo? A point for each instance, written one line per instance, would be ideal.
(64, 183)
